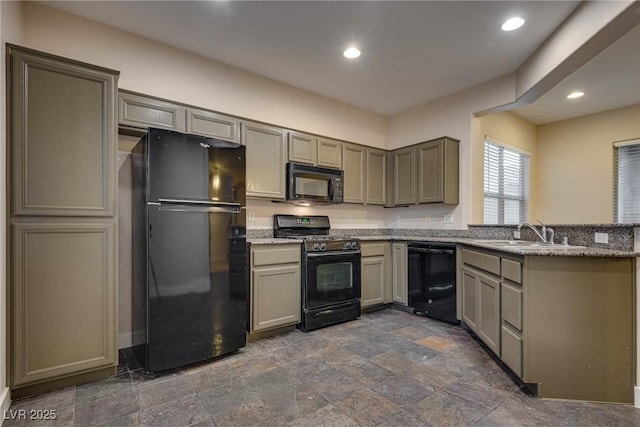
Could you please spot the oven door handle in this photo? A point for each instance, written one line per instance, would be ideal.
(332, 253)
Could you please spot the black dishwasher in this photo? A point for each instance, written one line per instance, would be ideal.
(432, 280)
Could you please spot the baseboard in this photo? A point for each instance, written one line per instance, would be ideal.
(636, 396)
(5, 402)
(125, 340)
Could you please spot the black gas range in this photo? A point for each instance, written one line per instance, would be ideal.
(330, 270)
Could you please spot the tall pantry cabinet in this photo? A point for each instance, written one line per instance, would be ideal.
(63, 221)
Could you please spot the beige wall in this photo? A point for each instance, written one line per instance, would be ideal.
(450, 116)
(157, 69)
(511, 130)
(575, 170)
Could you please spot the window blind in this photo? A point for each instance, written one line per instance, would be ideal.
(627, 182)
(506, 187)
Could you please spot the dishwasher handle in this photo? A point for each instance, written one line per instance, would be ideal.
(432, 251)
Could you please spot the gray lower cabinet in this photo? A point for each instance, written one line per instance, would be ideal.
(266, 160)
(481, 296)
(275, 286)
(400, 274)
(470, 298)
(329, 153)
(376, 181)
(63, 299)
(354, 166)
(63, 224)
(489, 311)
(375, 273)
(140, 111)
(213, 125)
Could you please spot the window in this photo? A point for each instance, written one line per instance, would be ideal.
(627, 181)
(506, 184)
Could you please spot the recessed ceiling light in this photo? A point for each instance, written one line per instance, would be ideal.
(575, 94)
(351, 53)
(512, 24)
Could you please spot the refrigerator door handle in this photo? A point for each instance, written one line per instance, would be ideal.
(196, 206)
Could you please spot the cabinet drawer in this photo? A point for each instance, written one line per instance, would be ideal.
(512, 270)
(512, 350)
(281, 254)
(486, 262)
(372, 249)
(512, 305)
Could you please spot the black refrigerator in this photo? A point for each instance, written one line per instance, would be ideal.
(189, 286)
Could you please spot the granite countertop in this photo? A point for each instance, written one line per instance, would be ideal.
(568, 251)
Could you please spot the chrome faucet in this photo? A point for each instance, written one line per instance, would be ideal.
(546, 234)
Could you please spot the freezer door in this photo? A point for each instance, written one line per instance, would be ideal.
(190, 167)
(197, 285)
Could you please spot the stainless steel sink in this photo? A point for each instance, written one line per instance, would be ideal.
(528, 245)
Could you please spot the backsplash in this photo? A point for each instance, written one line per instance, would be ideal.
(621, 237)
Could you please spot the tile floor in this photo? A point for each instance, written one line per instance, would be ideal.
(388, 368)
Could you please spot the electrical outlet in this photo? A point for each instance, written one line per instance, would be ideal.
(397, 219)
(602, 238)
(448, 219)
(250, 215)
(349, 217)
(427, 217)
(516, 234)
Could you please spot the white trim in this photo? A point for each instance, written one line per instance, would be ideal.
(636, 397)
(626, 142)
(125, 340)
(5, 402)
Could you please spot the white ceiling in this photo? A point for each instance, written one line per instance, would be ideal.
(610, 80)
(413, 52)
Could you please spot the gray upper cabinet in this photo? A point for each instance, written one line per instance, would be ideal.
(213, 125)
(266, 160)
(376, 177)
(404, 180)
(438, 171)
(144, 112)
(62, 138)
(354, 165)
(302, 148)
(329, 153)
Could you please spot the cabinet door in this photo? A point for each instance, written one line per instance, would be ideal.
(376, 177)
(145, 112)
(213, 125)
(489, 311)
(302, 148)
(373, 281)
(329, 153)
(63, 137)
(64, 300)
(470, 298)
(353, 163)
(399, 267)
(266, 161)
(275, 296)
(404, 179)
(430, 172)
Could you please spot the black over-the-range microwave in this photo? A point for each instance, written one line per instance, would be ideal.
(314, 184)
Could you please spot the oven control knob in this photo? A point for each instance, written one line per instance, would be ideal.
(322, 246)
(353, 245)
(316, 247)
(346, 245)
